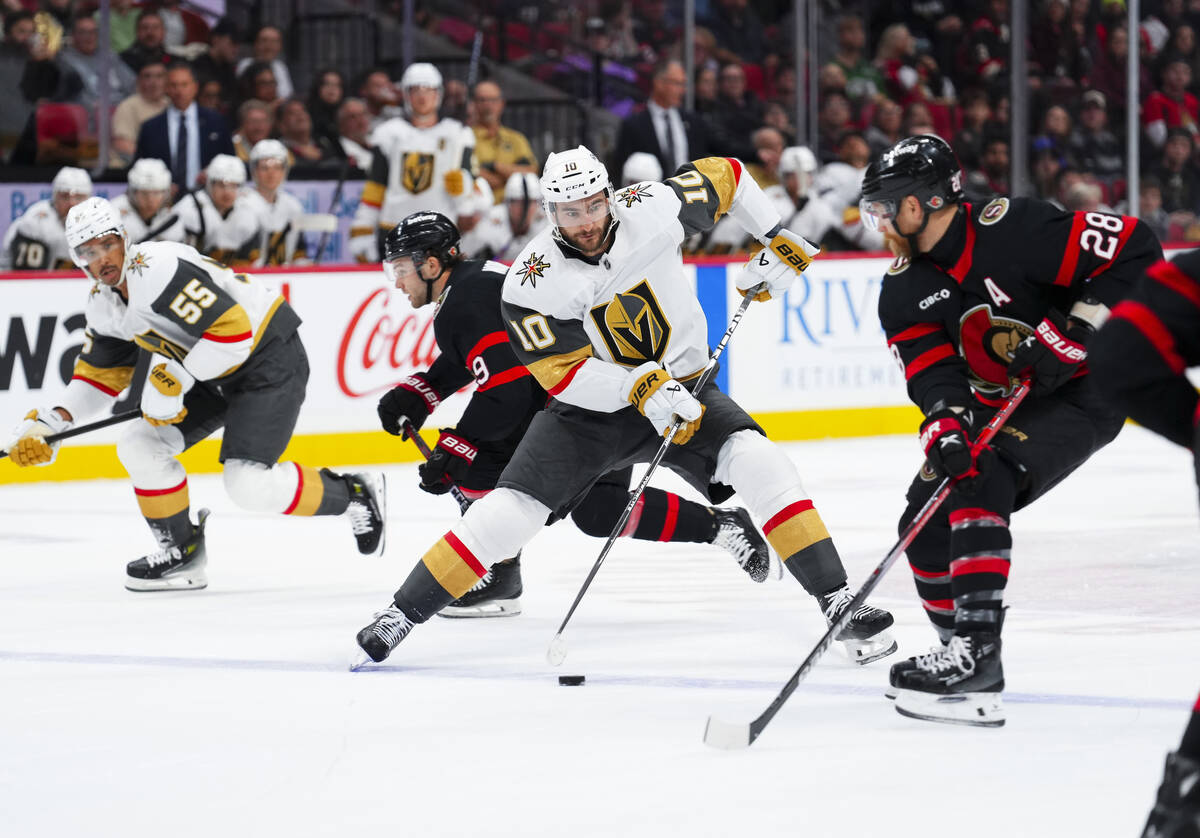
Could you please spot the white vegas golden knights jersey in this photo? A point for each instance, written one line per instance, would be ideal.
(580, 327)
(281, 241)
(233, 238)
(408, 172)
(165, 224)
(182, 305)
(493, 238)
(36, 241)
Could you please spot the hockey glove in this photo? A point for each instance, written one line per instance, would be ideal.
(412, 399)
(661, 399)
(28, 446)
(364, 248)
(945, 436)
(454, 182)
(1052, 354)
(448, 464)
(166, 386)
(778, 264)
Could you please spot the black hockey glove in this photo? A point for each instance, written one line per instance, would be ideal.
(1052, 354)
(448, 464)
(411, 399)
(946, 438)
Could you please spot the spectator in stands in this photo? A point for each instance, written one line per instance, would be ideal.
(776, 116)
(783, 89)
(354, 125)
(499, 150)
(254, 125)
(764, 166)
(1177, 174)
(15, 107)
(969, 141)
(325, 95)
(220, 62)
(705, 90)
(895, 59)
(454, 101)
(1150, 207)
(210, 96)
(990, 180)
(61, 11)
(1094, 147)
(175, 28)
(885, 128)
(148, 101)
(863, 80)
(122, 24)
(1181, 45)
(1056, 52)
(185, 136)
(1044, 168)
(840, 181)
(663, 128)
(258, 81)
(295, 129)
(1055, 136)
(833, 121)
(654, 29)
(618, 23)
(831, 79)
(918, 119)
(82, 56)
(148, 45)
(1171, 106)
(739, 32)
(988, 44)
(381, 96)
(268, 49)
(1108, 74)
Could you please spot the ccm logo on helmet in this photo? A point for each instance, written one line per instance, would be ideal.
(944, 294)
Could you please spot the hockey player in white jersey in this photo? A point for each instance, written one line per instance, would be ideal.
(507, 227)
(812, 215)
(601, 312)
(217, 220)
(225, 352)
(420, 164)
(144, 208)
(35, 241)
(279, 212)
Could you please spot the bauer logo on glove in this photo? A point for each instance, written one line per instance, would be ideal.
(166, 386)
(777, 265)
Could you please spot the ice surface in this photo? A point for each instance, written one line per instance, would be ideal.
(230, 711)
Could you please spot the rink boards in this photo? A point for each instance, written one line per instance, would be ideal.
(809, 366)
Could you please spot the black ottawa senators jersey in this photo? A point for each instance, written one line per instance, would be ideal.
(472, 338)
(953, 316)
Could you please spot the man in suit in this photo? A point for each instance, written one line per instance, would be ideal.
(662, 129)
(185, 136)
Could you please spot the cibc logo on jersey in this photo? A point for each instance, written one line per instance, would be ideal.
(987, 344)
(633, 326)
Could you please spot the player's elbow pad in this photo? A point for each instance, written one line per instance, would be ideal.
(212, 359)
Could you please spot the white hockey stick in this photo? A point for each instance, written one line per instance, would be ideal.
(557, 652)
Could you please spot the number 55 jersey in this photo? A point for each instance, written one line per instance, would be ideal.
(954, 315)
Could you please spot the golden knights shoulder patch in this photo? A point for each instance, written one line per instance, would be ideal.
(633, 194)
(138, 263)
(533, 268)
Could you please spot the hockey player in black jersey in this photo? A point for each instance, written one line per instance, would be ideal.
(421, 258)
(978, 297)
(1139, 361)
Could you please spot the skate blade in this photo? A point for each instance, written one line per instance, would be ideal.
(890, 692)
(728, 736)
(972, 709)
(181, 582)
(495, 608)
(361, 659)
(863, 652)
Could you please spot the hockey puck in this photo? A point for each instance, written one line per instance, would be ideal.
(570, 680)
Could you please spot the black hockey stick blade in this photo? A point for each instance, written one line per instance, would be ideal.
(94, 426)
(734, 736)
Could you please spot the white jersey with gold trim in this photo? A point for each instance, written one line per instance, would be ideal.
(281, 242)
(492, 237)
(138, 229)
(36, 241)
(234, 239)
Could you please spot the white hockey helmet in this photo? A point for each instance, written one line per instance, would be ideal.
(268, 150)
(149, 175)
(800, 161)
(523, 186)
(225, 168)
(641, 165)
(569, 176)
(91, 219)
(421, 74)
(72, 181)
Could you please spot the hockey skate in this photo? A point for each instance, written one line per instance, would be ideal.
(898, 669)
(496, 594)
(172, 568)
(959, 685)
(391, 625)
(866, 637)
(368, 511)
(737, 534)
(1176, 812)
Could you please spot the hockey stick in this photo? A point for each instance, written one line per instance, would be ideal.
(557, 651)
(93, 426)
(167, 224)
(333, 205)
(463, 501)
(732, 736)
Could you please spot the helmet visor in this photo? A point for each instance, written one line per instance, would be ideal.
(401, 266)
(93, 249)
(875, 213)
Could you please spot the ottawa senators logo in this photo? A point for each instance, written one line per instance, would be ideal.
(418, 172)
(633, 326)
(987, 345)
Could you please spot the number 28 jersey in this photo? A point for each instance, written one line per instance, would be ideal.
(953, 316)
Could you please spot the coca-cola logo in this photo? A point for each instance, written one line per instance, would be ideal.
(385, 341)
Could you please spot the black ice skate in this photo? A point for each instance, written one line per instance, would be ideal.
(496, 594)
(1176, 812)
(959, 685)
(377, 640)
(737, 534)
(898, 669)
(368, 511)
(866, 637)
(173, 568)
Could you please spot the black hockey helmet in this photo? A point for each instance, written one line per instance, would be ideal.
(419, 236)
(923, 166)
